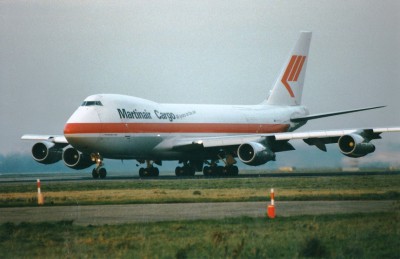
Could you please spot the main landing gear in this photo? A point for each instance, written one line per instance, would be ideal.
(186, 170)
(149, 171)
(214, 170)
(228, 170)
(189, 168)
(99, 171)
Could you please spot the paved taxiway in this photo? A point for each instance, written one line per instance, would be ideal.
(134, 213)
(77, 177)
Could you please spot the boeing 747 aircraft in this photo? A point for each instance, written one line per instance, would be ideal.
(198, 136)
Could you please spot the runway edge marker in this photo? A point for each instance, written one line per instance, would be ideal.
(271, 207)
(40, 194)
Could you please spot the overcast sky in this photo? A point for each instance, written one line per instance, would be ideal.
(53, 54)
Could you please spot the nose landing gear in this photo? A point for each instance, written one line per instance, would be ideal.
(99, 171)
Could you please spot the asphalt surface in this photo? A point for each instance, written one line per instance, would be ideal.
(135, 213)
(60, 177)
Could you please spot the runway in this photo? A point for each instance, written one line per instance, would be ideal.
(135, 213)
(62, 177)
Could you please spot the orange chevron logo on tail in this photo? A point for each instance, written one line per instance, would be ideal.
(292, 72)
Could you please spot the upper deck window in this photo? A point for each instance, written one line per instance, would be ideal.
(92, 103)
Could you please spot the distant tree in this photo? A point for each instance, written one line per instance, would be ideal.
(24, 163)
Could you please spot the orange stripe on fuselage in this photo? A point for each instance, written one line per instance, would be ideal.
(102, 128)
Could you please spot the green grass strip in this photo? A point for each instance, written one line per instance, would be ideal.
(375, 235)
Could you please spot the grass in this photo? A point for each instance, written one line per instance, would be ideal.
(372, 235)
(343, 236)
(204, 190)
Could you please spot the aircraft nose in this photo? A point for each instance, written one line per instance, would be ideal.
(85, 120)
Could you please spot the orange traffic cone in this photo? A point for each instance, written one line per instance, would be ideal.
(271, 207)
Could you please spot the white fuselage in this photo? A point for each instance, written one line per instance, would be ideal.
(125, 127)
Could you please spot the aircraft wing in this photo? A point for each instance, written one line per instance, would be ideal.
(320, 138)
(56, 139)
(279, 141)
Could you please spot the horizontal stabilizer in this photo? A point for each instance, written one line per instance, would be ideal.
(323, 115)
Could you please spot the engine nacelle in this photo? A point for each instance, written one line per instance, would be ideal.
(75, 159)
(46, 152)
(254, 153)
(354, 145)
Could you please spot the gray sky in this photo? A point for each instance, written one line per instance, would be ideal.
(55, 53)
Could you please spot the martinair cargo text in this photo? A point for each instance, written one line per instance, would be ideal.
(198, 136)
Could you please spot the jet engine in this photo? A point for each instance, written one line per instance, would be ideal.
(354, 145)
(46, 152)
(75, 159)
(254, 153)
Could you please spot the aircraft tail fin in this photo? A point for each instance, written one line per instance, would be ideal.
(288, 87)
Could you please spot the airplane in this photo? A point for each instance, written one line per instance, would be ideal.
(198, 136)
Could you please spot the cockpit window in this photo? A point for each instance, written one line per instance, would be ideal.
(92, 103)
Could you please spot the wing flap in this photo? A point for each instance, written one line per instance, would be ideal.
(218, 141)
(382, 130)
(313, 134)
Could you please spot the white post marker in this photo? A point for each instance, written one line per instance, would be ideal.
(40, 194)
(272, 197)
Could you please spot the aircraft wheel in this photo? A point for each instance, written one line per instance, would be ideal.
(149, 172)
(155, 172)
(207, 171)
(230, 170)
(190, 171)
(218, 170)
(141, 172)
(235, 170)
(185, 171)
(102, 173)
(95, 175)
(178, 171)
